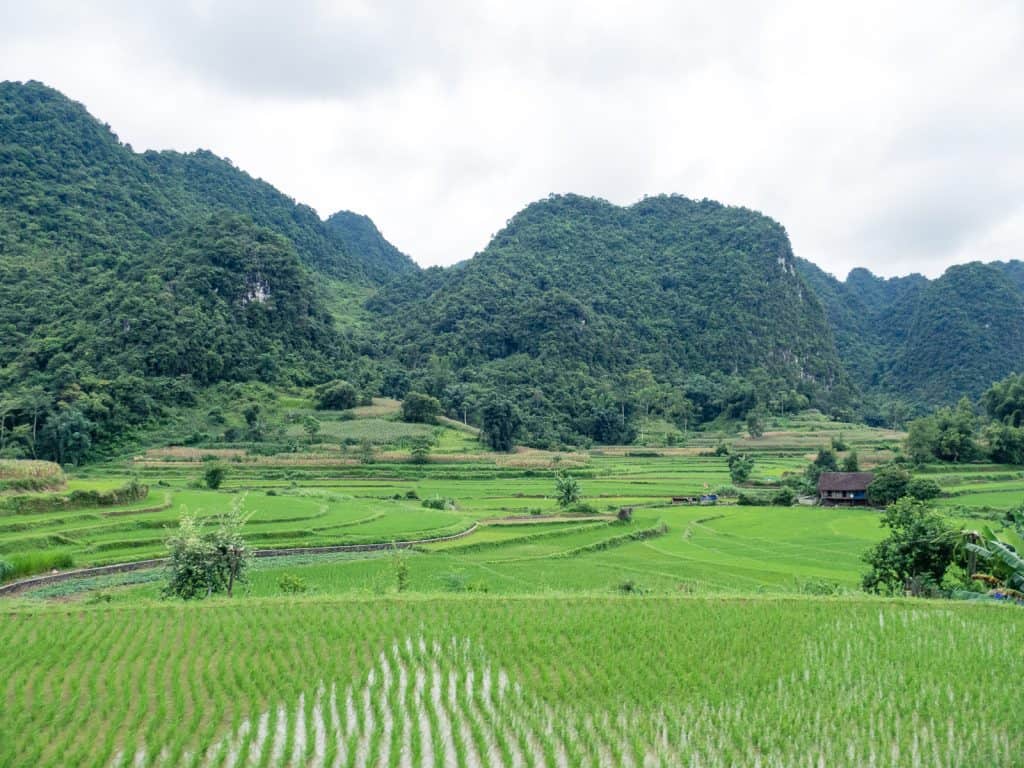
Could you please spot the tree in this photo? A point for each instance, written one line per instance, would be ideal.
(923, 489)
(567, 489)
(1004, 400)
(740, 467)
(68, 434)
(420, 408)
(916, 554)
(851, 462)
(366, 453)
(214, 476)
(420, 450)
(501, 422)
(338, 395)
(1005, 443)
(311, 426)
(755, 424)
(890, 484)
(826, 460)
(205, 560)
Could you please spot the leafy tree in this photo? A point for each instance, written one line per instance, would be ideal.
(890, 484)
(214, 476)
(1004, 400)
(420, 450)
(740, 467)
(311, 426)
(851, 462)
(826, 460)
(915, 555)
(923, 489)
(755, 424)
(366, 452)
(501, 423)
(567, 489)
(68, 435)
(1005, 443)
(946, 435)
(338, 395)
(205, 560)
(420, 408)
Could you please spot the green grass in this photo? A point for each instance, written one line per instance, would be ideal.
(478, 680)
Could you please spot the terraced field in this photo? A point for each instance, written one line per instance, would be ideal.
(485, 681)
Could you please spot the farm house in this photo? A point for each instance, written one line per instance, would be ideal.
(844, 487)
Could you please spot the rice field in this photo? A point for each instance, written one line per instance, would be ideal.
(512, 682)
(685, 637)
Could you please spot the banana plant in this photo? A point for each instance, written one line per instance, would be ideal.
(1005, 567)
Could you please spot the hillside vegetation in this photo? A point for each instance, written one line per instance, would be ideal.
(576, 295)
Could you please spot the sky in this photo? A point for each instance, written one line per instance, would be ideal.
(883, 135)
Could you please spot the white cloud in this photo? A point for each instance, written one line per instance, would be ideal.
(882, 135)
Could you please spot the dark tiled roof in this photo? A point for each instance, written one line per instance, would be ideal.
(845, 481)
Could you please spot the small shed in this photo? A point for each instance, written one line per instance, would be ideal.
(844, 487)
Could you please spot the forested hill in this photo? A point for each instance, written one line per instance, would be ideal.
(577, 302)
(358, 234)
(128, 282)
(927, 341)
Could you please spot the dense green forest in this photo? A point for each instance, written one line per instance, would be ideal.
(130, 283)
(584, 312)
(920, 342)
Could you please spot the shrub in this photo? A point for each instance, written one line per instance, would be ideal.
(419, 408)
(291, 584)
(740, 467)
(783, 497)
(629, 587)
(411, 494)
(6, 570)
(438, 503)
(336, 396)
(582, 508)
(923, 489)
(214, 476)
(420, 451)
(890, 483)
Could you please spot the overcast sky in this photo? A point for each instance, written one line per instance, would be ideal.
(886, 135)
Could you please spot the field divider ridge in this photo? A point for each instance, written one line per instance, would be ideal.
(22, 585)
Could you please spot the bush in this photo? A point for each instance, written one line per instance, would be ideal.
(214, 476)
(890, 484)
(291, 584)
(630, 587)
(582, 508)
(438, 503)
(420, 451)
(6, 570)
(923, 489)
(783, 497)
(419, 408)
(740, 467)
(336, 396)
